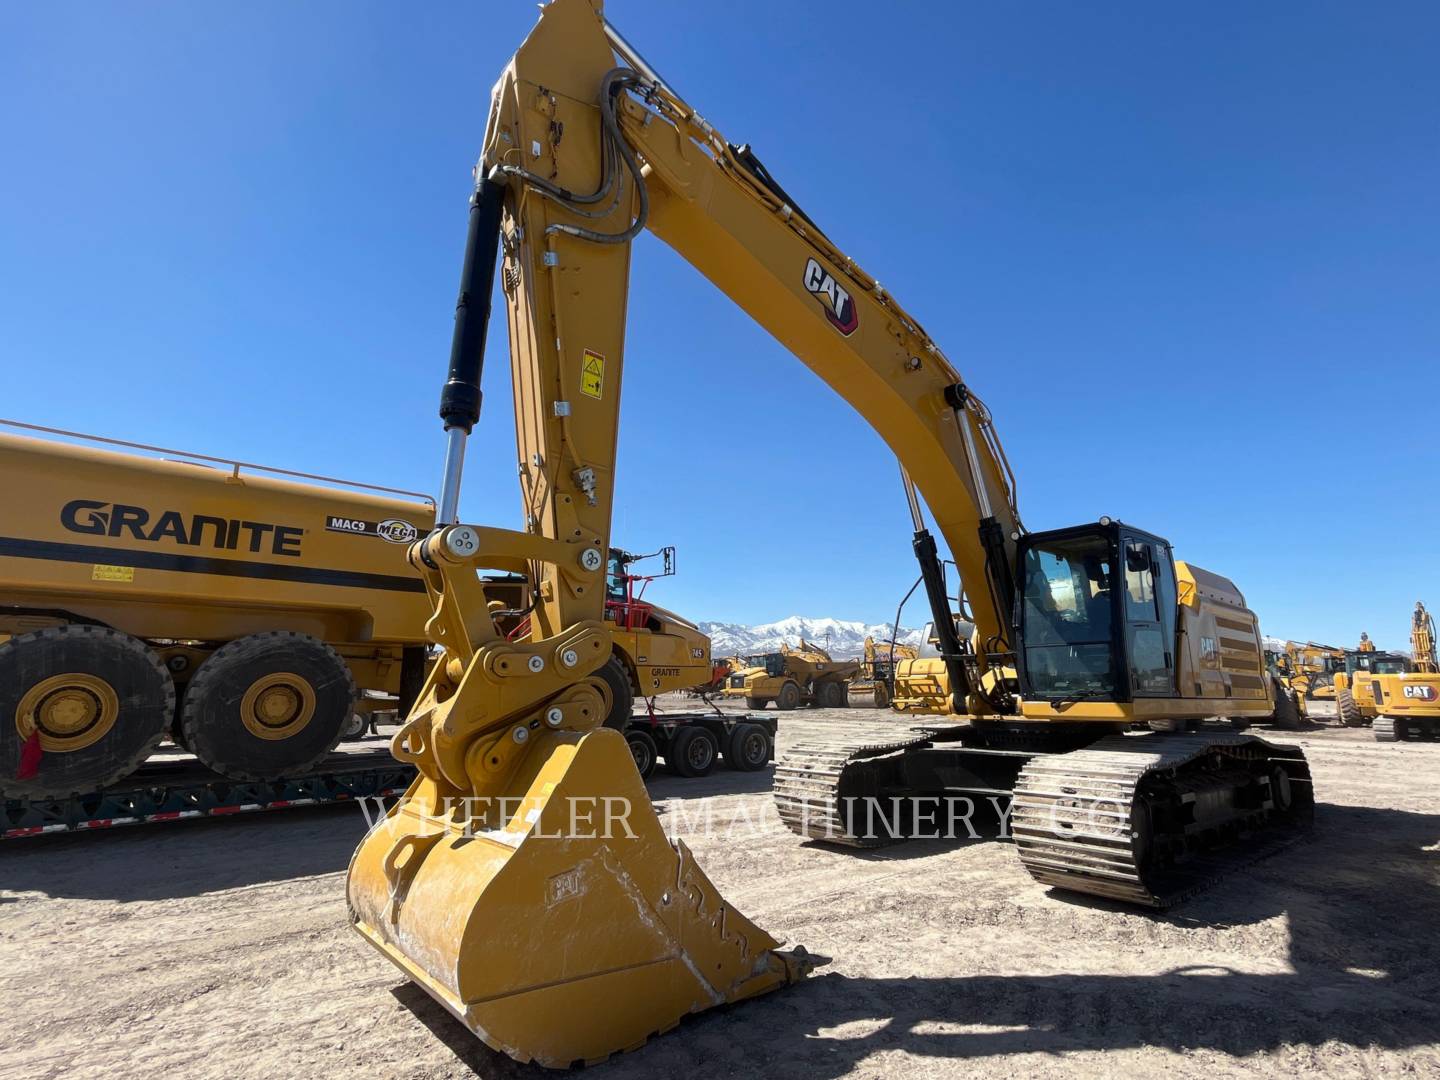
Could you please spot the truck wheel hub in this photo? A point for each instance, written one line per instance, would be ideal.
(277, 706)
(70, 711)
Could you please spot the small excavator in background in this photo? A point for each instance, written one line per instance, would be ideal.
(1398, 696)
(524, 880)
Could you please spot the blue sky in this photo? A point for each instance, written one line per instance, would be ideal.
(1188, 254)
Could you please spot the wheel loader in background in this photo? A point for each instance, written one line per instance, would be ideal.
(875, 682)
(563, 942)
(793, 677)
(1305, 675)
(1397, 696)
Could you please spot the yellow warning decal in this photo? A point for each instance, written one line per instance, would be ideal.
(592, 374)
(101, 572)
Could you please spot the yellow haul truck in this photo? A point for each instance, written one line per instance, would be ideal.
(793, 677)
(255, 620)
(241, 613)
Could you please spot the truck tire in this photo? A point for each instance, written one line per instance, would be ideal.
(268, 706)
(756, 703)
(1287, 713)
(1348, 712)
(692, 752)
(642, 749)
(100, 702)
(748, 749)
(789, 697)
(622, 695)
(832, 695)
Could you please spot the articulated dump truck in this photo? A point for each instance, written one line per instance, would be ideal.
(254, 620)
(241, 614)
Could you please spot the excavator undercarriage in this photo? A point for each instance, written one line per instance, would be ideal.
(1145, 819)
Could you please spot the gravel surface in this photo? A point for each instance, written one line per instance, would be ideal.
(220, 949)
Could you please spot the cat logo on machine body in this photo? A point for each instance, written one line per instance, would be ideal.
(1420, 692)
(839, 305)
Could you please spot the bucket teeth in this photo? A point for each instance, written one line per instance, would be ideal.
(570, 931)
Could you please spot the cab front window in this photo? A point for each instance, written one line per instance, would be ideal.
(1068, 617)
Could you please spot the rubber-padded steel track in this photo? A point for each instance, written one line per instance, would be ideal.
(808, 779)
(1078, 827)
(1384, 729)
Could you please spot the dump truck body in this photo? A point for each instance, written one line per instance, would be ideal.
(124, 578)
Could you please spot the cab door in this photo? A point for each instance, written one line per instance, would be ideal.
(1147, 598)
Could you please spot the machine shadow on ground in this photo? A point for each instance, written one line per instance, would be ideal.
(664, 785)
(185, 858)
(1357, 979)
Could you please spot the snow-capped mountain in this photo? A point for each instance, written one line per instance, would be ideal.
(842, 638)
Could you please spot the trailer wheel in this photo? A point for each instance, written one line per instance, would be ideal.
(692, 752)
(789, 696)
(749, 748)
(622, 695)
(357, 727)
(268, 706)
(91, 701)
(756, 703)
(642, 749)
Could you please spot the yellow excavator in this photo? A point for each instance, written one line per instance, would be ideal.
(1398, 696)
(524, 880)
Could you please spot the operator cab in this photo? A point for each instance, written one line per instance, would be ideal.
(773, 663)
(1375, 663)
(1096, 614)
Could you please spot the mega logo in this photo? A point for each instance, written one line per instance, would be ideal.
(839, 305)
(395, 530)
(94, 518)
(1421, 693)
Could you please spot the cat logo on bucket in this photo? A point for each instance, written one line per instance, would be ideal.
(839, 305)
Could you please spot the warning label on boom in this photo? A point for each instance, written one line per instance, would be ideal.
(592, 374)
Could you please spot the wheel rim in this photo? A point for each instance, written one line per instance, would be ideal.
(641, 753)
(699, 753)
(754, 749)
(69, 711)
(277, 706)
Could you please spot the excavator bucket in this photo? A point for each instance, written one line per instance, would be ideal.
(557, 921)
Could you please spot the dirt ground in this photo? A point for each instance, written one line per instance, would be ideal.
(220, 949)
